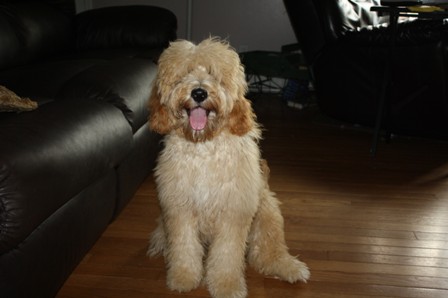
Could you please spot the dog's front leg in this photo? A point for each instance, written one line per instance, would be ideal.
(185, 253)
(267, 251)
(225, 266)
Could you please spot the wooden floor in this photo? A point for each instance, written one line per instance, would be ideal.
(367, 227)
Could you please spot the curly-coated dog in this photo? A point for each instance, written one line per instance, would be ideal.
(216, 205)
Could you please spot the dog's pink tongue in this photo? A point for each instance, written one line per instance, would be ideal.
(198, 118)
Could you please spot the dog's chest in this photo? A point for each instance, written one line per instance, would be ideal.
(210, 175)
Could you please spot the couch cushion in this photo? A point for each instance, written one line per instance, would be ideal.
(125, 83)
(125, 27)
(31, 30)
(43, 81)
(49, 155)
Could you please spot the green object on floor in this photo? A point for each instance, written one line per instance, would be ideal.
(274, 64)
(262, 68)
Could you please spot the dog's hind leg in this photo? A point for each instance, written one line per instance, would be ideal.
(268, 252)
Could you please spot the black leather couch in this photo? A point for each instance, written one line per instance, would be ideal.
(69, 167)
(346, 47)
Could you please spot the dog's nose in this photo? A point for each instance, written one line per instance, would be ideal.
(199, 95)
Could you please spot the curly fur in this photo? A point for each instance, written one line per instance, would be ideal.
(212, 183)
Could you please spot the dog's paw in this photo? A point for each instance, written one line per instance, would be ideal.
(229, 286)
(183, 280)
(290, 269)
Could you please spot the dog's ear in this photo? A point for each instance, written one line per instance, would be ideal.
(159, 119)
(241, 118)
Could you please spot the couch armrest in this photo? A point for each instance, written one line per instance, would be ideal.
(138, 26)
(50, 155)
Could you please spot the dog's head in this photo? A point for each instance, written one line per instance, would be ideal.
(199, 92)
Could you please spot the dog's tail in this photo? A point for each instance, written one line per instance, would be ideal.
(157, 242)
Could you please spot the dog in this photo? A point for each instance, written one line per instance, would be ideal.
(217, 208)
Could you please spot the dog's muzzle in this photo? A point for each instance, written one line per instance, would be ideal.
(198, 115)
(199, 95)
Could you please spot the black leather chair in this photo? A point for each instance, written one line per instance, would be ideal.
(346, 47)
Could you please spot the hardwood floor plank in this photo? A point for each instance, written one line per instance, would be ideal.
(378, 269)
(302, 245)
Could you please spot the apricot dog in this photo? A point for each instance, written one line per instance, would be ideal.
(212, 184)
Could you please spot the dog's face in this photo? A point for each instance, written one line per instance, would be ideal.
(199, 92)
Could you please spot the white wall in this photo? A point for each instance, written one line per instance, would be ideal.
(247, 24)
(82, 5)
